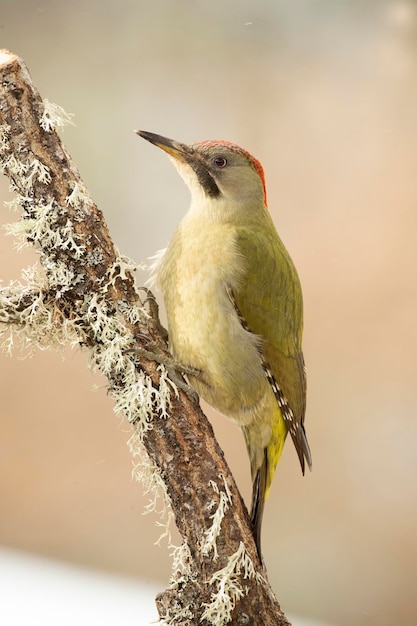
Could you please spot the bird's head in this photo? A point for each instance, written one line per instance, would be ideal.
(215, 171)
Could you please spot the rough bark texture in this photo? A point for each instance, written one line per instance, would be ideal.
(182, 446)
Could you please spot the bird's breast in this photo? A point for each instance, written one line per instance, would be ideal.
(205, 333)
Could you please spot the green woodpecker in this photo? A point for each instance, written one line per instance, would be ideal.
(234, 305)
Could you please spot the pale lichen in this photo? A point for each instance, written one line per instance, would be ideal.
(36, 171)
(122, 268)
(44, 230)
(15, 168)
(229, 588)
(137, 399)
(4, 137)
(14, 204)
(209, 542)
(181, 559)
(181, 612)
(79, 195)
(150, 476)
(133, 313)
(19, 230)
(37, 324)
(95, 257)
(54, 117)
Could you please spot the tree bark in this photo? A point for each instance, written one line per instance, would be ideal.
(84, 293)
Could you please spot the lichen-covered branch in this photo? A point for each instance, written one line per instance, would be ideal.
(82, 292)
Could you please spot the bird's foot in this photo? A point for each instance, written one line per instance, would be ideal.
(151, 307)
(175, 370)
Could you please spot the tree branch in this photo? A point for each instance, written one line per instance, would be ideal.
(83, 292)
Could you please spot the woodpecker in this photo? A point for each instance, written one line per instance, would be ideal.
(234, 305)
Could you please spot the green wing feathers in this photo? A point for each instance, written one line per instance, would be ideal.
(269, 298)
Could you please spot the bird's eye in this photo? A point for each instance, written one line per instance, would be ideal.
(220, 161)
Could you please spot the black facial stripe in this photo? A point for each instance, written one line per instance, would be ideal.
(204, 177)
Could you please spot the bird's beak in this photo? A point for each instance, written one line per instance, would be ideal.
(184, 158)
(173, 148)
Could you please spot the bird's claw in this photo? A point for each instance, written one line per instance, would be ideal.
(175, 369)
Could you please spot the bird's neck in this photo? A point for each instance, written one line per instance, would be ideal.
(224, 210)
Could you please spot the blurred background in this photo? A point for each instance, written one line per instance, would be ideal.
(324, 93)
